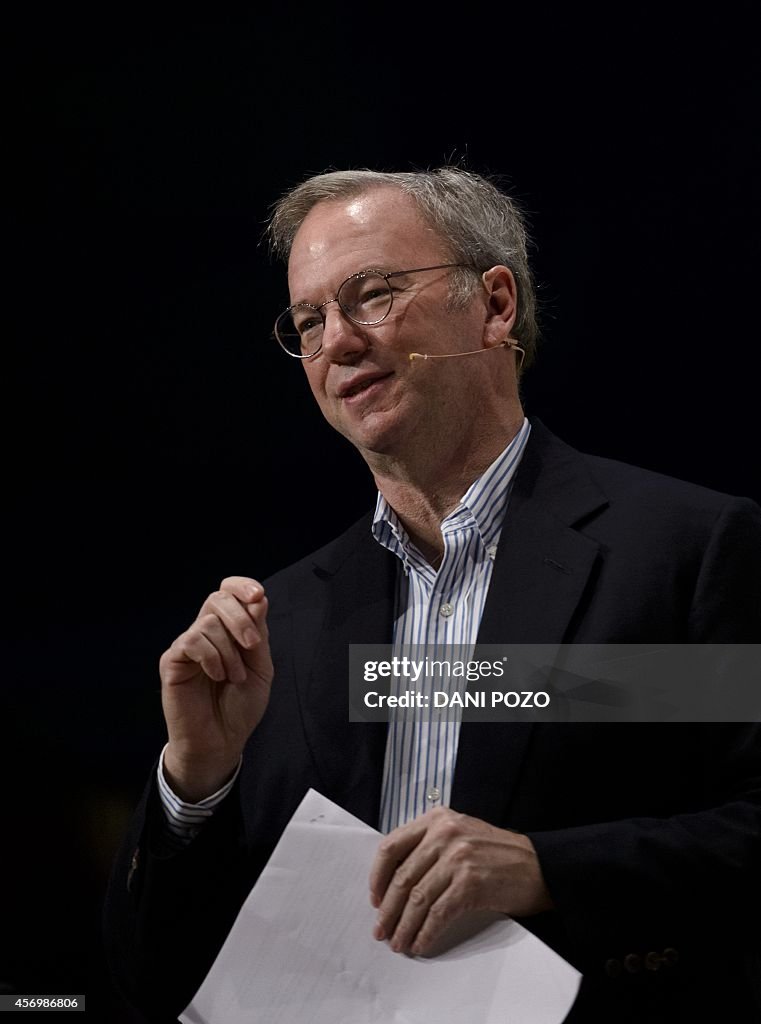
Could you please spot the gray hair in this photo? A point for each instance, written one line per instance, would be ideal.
(479, 224)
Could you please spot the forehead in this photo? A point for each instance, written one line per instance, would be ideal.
(339, 237)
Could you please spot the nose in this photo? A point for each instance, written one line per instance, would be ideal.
(343, 341)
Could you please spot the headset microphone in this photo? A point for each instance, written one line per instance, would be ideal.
(509, 343)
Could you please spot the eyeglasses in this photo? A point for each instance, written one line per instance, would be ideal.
(365, 298)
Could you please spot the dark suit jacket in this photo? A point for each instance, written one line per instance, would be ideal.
(649, 836)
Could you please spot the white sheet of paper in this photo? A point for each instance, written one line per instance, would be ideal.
(301, 950)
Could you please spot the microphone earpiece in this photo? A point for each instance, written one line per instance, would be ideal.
(507, 343)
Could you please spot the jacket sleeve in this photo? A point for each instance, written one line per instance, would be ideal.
(166, 913)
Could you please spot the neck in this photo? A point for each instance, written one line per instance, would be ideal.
(423, 491)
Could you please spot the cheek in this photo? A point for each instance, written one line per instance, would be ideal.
(316, 380)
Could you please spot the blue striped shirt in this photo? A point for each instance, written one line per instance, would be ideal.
(439, 613)
(434, 608)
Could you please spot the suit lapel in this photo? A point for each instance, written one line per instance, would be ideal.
(349, 599)
(543, 565)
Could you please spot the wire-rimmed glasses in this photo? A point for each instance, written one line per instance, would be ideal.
(364, 298)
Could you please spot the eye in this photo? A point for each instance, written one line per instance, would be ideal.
(306, 321)
(365, 297)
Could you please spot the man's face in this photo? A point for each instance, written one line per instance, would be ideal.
(362, 378)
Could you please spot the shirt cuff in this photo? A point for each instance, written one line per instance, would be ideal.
(184, 820)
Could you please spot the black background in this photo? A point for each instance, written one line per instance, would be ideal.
(158, 440)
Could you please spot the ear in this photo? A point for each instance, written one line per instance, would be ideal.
(501, 305)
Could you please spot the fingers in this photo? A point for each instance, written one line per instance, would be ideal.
(408, 877)
(426, 914)
(239, 606)
(391, 852)
(445, 865)
(415, 886)
(232, 624)
(244, 588)
(211, 646)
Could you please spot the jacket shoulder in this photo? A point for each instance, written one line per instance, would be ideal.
(637, 492)
(324, 560)
(624, 480)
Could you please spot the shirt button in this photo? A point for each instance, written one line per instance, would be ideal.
(433, 794)
(446, 609)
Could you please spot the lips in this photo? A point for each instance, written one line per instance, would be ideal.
(360, 382)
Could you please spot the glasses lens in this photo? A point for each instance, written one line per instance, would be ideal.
(299, 330)
(365, 298)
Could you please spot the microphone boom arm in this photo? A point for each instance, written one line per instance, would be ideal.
(509, 343)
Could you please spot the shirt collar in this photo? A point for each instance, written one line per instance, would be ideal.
(485, 501)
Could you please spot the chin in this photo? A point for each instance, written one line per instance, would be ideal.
(373, 445)
(375, 442)
(373, 434)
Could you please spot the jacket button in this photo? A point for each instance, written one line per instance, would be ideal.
(613, 968)
(633, 963)
(654, 961)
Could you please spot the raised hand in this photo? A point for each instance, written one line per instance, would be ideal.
(215, 685)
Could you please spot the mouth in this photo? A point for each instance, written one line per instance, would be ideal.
(362, 385)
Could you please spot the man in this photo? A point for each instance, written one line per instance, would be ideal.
(634, 851)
